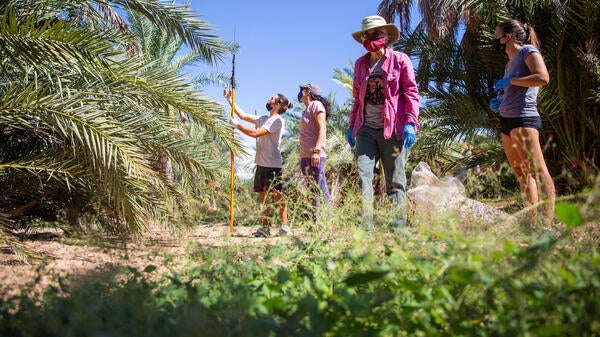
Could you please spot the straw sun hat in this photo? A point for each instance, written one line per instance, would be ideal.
(376, 21)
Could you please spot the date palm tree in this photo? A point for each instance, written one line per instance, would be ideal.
(82, 117)
(159, 49)
(456, 70)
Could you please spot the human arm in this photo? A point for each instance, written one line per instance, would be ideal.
(254, 133)
(239, 111)
(538, 73)
(410, 90)
(356, 106)
(537, 77)
(322, 126)
(272, 125)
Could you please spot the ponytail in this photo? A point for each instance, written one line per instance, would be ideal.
(284, 102)
(531, 36)
(522, 32)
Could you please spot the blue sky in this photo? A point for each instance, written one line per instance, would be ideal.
(284, 43)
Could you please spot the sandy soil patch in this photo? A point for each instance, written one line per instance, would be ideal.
(66, 257)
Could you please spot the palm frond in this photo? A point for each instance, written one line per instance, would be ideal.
(389, 9)
(345, 76)
(97, 119)
(58, 44)
(179, 20)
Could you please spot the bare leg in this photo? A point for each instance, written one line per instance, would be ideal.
(524, 153)
(278, 197)
(264, 216)
(539, 171)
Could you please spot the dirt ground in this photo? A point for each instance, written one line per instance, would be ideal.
(65, 257)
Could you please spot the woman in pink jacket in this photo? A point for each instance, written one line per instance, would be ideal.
(384, 118)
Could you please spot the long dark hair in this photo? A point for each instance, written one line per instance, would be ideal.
(325, 102)
(522, 32)
(284, 102)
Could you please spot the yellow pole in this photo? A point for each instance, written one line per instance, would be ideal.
(232, 171)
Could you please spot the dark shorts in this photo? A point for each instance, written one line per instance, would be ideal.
(267, 178)
(508, 124)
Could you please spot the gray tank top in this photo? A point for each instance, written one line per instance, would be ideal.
(519, 101)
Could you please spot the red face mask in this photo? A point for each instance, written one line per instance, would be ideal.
(374, 45)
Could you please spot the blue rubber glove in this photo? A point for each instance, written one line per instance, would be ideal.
(408, 135)
(502, 83)
(495, 104)
(349, 138)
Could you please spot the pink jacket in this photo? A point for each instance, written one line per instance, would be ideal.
(402, 103)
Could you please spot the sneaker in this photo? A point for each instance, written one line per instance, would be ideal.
(262, 232)
(284, 230)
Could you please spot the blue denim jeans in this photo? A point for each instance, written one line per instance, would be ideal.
(371, 147)
(318, 174)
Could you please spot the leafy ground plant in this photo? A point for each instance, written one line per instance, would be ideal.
(436, 281)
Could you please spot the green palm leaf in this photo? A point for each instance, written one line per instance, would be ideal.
(97, 119)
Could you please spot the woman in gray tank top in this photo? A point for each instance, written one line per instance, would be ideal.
(520, 121)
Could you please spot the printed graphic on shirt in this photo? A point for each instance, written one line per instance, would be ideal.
(375, 94)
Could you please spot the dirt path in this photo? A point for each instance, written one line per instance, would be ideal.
(64, 257)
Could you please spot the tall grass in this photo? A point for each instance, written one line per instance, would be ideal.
(437, 280)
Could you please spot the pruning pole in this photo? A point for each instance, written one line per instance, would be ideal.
(232, 171)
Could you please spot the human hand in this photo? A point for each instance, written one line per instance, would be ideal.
(408, 135)
(495, 104)
(315, 160)
(349, 138)
(502, 83)
(227, 94)
(233, 121)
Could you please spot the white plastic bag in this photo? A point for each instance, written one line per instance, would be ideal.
(437, 200)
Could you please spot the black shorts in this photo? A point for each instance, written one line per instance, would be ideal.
(267, 179)
(508, 124)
